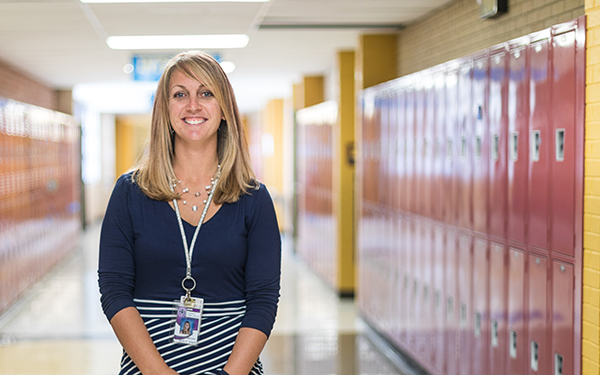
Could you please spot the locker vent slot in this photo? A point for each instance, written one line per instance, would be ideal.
(536, 141)
(514, 146)
(534, 355)
(513, 344)
(494, 333)
(477, 324)
(560, 144)
(495, 146)
(558, 364)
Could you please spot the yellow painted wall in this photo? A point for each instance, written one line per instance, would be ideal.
(131, 133)
(273, 154)
(591, 206)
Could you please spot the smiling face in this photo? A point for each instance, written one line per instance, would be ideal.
(194, 111)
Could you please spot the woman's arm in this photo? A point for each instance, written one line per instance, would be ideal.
(248, 345)
(135, 339)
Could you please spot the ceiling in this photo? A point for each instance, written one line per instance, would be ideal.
(63, 42)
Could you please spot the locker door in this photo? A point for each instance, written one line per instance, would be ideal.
(480, 153)
(410, 164)
(413, 284)
(404, 300)
(465, 309)
(562, 319)
(439, 276)
(428, 143)
(438, 138)
(451, 303)
(539, 109)
(498, 317)
(450, 178)
(498, 137)
(516, 353)
(481, 291)
(425, 313)
(563, 133)
(538, 318)
(402, 190)
(465, 134)
(519, 142)
(419, 136)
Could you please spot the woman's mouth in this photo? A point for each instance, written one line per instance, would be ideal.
(194, 121)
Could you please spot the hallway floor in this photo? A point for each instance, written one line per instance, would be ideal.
(58, 327)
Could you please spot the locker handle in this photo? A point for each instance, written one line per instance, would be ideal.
(513, 344)
(560, 144)
(449, 148)
(477, 324)
(350, 153)
(536, 141)
(495, 146)
(463, 315)
(425, 294)
(438, 300)
(558, 364)
(478, 148)
(463, 146)
(514, 146)
(450, 309)
(534, 355)
(494, 333)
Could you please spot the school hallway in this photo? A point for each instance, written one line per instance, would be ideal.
(58, 326)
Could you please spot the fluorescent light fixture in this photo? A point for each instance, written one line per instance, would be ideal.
(170, 1)
(178, 41)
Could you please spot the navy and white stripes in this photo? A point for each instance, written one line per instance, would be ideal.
(220, 325)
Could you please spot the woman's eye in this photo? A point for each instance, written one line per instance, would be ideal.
(178, 94)
(206, 94)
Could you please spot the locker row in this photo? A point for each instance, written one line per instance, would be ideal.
(470, 193)
(462, 304)
(491, 142)
(316, 227)
(40, 206)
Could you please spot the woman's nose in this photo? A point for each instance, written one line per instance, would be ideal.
(194, 104)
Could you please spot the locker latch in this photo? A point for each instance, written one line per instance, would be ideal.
(514, 146)
(534, 355)
(560, 144)
(495, 146)
(536, 141)
(477, 324)
(494, 333)
(513, 344)
(558, 364)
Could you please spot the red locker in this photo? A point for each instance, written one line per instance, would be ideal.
(481, 146)
(516, 353)
(518, 128)
(410, 149)
(465, 140)
(451, 304)
(419, 150)
(539, 110)
(439, 280)
(439, 150)
(450, 177)
(405, 297)
(428, 144)
(563, 319)
(498, 137)
(413, 285)
(426, 282)
(482, 274)
(498, 314)
(563, 132)
(465, 307)
(538, 316)
(402, 189)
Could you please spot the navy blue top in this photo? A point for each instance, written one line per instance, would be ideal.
(237, 254)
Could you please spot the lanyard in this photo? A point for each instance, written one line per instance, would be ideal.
(189, 251)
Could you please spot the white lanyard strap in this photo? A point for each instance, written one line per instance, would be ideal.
(190, 250)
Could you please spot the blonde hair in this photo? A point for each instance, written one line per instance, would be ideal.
(154, 172)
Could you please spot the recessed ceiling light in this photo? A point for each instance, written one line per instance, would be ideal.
(171, 1)
(178, 41)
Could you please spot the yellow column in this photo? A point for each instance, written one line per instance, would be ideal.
(591, 205)
(310, 92)
(131, 133)
(272, 144)
(343, 172)
(376, 59)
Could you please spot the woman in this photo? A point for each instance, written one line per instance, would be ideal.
(190, 231)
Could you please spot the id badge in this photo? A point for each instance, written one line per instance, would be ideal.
(187, 320)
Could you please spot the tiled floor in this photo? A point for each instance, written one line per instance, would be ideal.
(59, 328)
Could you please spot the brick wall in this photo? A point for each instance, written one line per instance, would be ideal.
(456, 30)
(17, 85)
(591, 204)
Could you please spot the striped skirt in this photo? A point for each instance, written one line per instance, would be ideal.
(218, 331)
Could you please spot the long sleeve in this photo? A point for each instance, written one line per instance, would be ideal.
(116, 270)
(263, 264)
